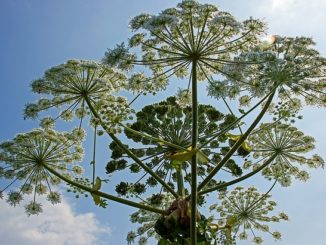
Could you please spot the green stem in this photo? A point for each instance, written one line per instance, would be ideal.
(232, 182)
(128, 152)
(181, 189)
(252, 206)
(194, 139)
(103, 194)
(225, 129)
(237, 144)
(94, 154)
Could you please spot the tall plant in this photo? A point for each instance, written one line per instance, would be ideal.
(179, 151)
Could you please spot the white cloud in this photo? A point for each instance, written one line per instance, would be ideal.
(282, 4)
(296, 18)
(57, 225)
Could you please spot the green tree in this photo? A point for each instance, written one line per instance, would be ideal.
(179, 152)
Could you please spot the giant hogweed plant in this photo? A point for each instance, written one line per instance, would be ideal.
(179, 158)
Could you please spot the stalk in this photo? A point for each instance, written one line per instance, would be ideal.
(237, 144)
(103, 194)
(181, 189)
(94, 154)
(237, 180)
(194, 139)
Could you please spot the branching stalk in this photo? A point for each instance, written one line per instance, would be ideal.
(237, 180)
(237, 144)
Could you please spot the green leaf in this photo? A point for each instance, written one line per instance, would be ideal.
(231, 221)
(233, 136)
(244, 144)
(246, 147)
(242, 111)
(184, 156)
(96, 198)
(202, 158)
(96, 187)
(98, 184)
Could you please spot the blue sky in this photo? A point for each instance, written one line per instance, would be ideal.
(38, 34)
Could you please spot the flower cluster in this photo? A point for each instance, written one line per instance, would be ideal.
(140, 83)
(112, 110)
(77, 85)
(289, 144)
(168, 140)
(183, 98)
(243, 211)
(175, 38)
(291, 66)
(26, 160)
(171, 122)
(286, 111)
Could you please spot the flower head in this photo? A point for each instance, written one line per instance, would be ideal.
(77, 84)
(244, 211)
(194, 33)
(170, 121)
(26, 160)
(292, 67)
(289, 144)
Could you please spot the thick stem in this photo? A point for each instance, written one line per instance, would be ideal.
(194, 139)
(103, 194)
(237, 180)
(128, 152)
(94, 154)
(237, 144)
(181, 189)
